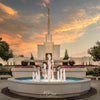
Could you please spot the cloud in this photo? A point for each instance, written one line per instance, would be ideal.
(47, 1)
(15, 30)
(66, 38)
(7, 9)
(18, 35)
(34, 19)
(7, 12)
(68, 31)
(94, 7)
(14, 26)
(18, 45)
(44, 3)
(81, 20)
(37, 17)
(1, 19)
(24, 1)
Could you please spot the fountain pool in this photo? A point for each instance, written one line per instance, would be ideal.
(42, 79)
(49, 85)
(52, 89)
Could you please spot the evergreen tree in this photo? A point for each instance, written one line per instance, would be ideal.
(65, 58)
(32, 58)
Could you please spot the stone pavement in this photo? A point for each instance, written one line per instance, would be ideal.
(95, 84)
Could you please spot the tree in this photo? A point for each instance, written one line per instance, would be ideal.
(95, 51)
(5, 51)
(32, 58)
(71, 62)
(65, 58)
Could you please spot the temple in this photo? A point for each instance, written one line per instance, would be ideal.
(48, 47)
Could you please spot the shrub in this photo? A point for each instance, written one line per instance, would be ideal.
(89, 72)
(24, 63)
(71, 62)
(0, 64)
(32, 63)
(65, 63)
(5, 72)
(94, 72)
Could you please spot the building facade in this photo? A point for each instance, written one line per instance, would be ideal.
(48, 47)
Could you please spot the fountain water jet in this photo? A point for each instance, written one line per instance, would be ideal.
(50, 75)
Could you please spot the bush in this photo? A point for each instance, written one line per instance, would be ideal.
(71, 62)
(0, 64)
(32, 63)
(65, 63)
(4, 71)
(94, 72)
(89, 72)
(24, 63)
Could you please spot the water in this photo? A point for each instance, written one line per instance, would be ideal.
(30, 79)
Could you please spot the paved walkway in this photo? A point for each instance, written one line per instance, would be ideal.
(95, 84)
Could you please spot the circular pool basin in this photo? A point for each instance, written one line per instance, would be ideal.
(42, 79)
(48, 89)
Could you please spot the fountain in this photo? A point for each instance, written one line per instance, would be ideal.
(49, 85)
(50, 76)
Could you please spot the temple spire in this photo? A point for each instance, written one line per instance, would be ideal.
(48, 21)
(48, 35)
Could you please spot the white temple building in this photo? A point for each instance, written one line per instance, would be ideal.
(48, 47)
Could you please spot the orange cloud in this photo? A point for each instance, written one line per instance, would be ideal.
(7, 9)
(77, 24)
(19, 35)
(34, 18)
(18, 45)
(59, 38)
(1, 19)
(94, 7)
(38, 17)
(47, 1)
(75, 27)
(38, 38)
(43, 4)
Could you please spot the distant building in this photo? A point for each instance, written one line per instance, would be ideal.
(78, 61)
(2, 61)
(86, 60)
(14, 61)
(17, 60)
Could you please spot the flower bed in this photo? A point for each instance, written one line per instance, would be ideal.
(29, 66)
(68, 66)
